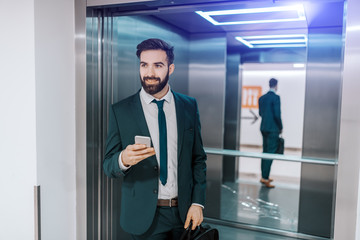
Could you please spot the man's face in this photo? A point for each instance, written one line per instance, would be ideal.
(154, 70)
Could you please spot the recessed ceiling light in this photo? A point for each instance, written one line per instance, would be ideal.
(254, 15)
(353, 28)
(271, 41)
(298, 65)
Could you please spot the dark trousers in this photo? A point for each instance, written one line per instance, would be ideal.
(270, 145)
(166, 225)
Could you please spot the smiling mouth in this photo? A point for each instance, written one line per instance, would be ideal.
(151, 80)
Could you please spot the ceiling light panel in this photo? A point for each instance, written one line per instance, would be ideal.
(255, 15)
(272, 41)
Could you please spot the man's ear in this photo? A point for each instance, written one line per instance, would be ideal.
(171, 68)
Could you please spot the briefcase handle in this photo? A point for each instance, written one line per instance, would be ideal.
(200, 232)
(189, 234)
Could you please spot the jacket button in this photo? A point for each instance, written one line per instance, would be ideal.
(156, 168)
(155, 191)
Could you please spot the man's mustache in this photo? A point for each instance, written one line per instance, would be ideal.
(151, 78)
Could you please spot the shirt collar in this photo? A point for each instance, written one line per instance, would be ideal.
(272, 90)
(149, 98)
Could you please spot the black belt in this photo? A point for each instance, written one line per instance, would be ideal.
(167, 202)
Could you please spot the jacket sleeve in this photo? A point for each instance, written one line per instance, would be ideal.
(277, 113)
(113, 148)
(260, 106)
(199, 164)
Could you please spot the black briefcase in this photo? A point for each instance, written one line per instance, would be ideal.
(203, 232)
(281, 145)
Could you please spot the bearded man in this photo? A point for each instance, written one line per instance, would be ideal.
(164, 185)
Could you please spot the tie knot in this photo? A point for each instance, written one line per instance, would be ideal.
(160, 103)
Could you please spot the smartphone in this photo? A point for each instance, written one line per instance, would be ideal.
(143, 140)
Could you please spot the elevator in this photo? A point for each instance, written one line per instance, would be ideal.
(212, 66)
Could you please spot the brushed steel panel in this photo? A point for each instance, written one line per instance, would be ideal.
(214, 182)
(322, 94)
(321, 125)
(232, 115)
(316, 199)
(207, 74)
(92, 133)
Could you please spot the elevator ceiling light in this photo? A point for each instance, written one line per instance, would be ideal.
(272, 41)
(298, 65)
(255, 15)
(353, 28)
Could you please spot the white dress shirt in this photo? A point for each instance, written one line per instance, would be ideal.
(170, 190)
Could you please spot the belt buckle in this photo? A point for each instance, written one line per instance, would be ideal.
(170, 202)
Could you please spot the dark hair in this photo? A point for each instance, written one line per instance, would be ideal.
(156, 44)
(273, 82)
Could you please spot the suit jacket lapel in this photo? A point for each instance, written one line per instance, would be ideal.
(138, 113)
(179, 106)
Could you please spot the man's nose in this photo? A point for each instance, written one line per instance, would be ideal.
(151, 71)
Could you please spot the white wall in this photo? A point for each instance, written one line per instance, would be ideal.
(347, 208)
(291, 89)
(17, 121)
(55, 112)
(37, 124)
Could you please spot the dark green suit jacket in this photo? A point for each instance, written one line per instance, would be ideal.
(269, 110)
(139, 193)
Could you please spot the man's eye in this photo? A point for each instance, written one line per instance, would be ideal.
(142, 65)
(158, 65)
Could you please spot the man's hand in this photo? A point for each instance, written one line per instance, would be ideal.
(135, 153)
(195, 214)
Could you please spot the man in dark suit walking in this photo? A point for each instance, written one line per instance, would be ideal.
(163, 185)
(271, 127)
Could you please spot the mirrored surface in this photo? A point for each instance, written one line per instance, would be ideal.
(247, 201)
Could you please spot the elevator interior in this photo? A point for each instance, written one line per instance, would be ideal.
(209, 63)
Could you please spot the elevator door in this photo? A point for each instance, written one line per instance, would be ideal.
(202, 59)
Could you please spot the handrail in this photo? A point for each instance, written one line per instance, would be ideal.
(289, 158)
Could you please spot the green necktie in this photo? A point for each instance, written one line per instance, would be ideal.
(162, 141)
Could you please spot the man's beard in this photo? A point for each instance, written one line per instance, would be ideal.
(154, 88)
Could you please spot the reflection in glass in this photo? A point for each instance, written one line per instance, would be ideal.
(257, 204)
(247, 201)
